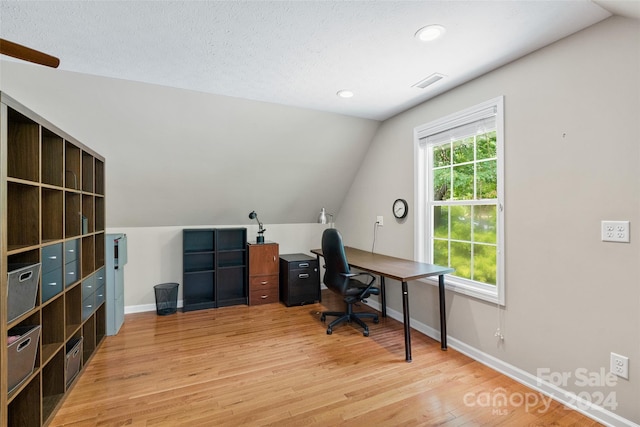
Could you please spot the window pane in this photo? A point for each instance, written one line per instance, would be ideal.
(463, 150)
(463, 182)
(442, 155)
(486, 179)
(461, 223)
(442, 184)
(484, 264)
(461, 259)
(486, 146)
(484, 223)
(441, 252)
(441, 222)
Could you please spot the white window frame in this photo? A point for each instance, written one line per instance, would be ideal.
(422, 186)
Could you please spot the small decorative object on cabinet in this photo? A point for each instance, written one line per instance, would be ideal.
(214, 267)
(299, 279)
(52, 205)
(263, 273)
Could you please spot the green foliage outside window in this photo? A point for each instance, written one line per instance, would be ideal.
(465, 235)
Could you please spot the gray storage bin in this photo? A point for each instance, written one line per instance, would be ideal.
(22, 354)
(22, 290)
(74, 357)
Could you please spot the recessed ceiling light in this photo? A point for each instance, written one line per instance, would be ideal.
(345, 93)
(430, 33)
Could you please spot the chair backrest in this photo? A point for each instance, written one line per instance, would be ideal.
(335, 261)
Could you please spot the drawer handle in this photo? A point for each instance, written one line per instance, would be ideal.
(75, 352)
(100, 296)
(52, 284)
(89, 286)
(264, 296)
(303, 276)
(25, 276)
(53, 257)
(71, 273)
(264, 283)
(71, 250)
(303, 264)
(89, 306)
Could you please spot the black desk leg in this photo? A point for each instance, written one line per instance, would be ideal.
(407, 327)
(383, 298)
(319, 279)
(443, 317)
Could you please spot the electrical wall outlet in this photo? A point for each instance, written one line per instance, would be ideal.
(379, 221)
(620, 365)
(615, 231)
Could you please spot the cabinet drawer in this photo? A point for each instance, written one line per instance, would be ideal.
(88, 305)
(70, 272)
(88, 286)
(100, 277)
(99, 295)
(71, 249)
(51, 257)
(263, 296)
(261, 282)
(302, 265)
(51, 284)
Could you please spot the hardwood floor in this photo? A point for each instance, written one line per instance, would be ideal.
(273, 365)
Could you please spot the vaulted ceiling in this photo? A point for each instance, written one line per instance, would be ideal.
(298, 53)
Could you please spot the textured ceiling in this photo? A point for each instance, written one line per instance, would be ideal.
(297, 53)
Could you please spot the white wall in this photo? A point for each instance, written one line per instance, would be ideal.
(155, 256)
(572, 147)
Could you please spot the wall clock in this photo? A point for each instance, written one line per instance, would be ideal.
(400, 208)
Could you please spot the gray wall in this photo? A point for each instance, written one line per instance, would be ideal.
(570, 298)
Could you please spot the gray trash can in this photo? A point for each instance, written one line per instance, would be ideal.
(166, 298)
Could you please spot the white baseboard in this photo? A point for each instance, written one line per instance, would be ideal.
(144, 307)
(570, 400)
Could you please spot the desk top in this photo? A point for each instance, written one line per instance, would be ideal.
(395, 268)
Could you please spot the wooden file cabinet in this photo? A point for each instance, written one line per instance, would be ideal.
(299, 279)
(263, 273)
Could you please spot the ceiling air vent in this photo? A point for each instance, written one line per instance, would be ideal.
(428, 81)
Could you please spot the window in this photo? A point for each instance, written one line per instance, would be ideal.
(459, 198)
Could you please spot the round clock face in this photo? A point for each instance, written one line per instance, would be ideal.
(400, 208)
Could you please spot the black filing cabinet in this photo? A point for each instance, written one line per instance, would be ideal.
(299, 279)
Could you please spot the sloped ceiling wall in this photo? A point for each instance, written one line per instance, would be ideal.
(177, 157)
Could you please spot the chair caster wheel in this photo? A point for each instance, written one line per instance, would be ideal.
(365, 333)
(329, 331)
(323, 318)
(376, 321)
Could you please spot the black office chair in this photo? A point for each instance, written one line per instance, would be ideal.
(339, 279)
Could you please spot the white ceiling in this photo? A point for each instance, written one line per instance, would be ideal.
(298, 53)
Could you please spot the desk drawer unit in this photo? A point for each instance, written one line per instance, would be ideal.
(51, 271)
(264, 289)
(299, 279)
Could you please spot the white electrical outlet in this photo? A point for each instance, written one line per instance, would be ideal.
(379, 221)
(615, 231)
(620, 365)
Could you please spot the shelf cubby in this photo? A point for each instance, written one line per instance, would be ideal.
(52, 215)
(73, 310)
(52, 331)
(24, 408)
(88, 256)
(23, 215)
(99, 212)
(72, 214)
(23, 147)
(87, 172)
(99, 177)
(89, 335)
(101, 323)
(99, 250)
(72, 174)
(88, 216)
(52, 158)
(53, 381)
